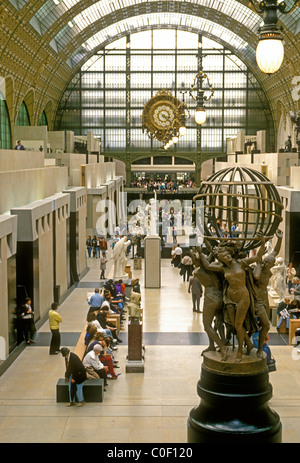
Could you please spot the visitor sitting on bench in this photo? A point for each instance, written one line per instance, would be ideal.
(91, 330)
(105, 357)
(116, 303)
(283, 313)
(92, 363)
(92, 320)
(102, 319)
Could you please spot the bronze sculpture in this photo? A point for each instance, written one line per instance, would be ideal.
(235, 282)
(242, 212)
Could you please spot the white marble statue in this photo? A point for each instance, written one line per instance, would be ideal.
(120, 259)
(279, 278)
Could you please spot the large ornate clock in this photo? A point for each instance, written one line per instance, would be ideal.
(161, 114)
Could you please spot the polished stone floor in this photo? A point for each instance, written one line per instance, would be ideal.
(149, 407)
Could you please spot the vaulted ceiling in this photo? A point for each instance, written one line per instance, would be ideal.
(43, 43)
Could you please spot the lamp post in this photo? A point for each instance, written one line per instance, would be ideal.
(199, 79)
(182, 122)
(270, 49)
(201, 97)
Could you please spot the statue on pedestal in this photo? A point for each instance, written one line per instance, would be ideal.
(279, 278)
(234, 385)
(120, 258)
(134, 307)
(288, 145)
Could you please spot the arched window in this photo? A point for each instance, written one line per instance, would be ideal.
(5, 130)
(96, 99)
(43, 119)
(23, 116)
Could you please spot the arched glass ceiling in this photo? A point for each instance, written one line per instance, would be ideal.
(52, 10)
(164, 20)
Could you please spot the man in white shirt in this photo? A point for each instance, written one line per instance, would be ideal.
(92, 360)
(178, 255)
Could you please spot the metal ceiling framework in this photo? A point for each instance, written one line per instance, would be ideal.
(73, 30)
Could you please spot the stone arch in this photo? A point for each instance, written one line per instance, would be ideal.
(9, 97)
(284, 126)
(29, 100)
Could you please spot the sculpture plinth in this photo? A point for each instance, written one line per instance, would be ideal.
(234, 403)
(135, 359)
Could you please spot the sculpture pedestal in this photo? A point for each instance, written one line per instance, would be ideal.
(152, 265)
(234, 403)
(135, 359)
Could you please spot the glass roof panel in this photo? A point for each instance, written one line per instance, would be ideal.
(18, 4)
(165, 20)
(52, 10)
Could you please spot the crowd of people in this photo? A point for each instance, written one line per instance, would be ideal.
(162, 185)
(96, 246)
(101, 341)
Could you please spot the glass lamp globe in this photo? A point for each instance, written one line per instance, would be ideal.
(171, 142)
(200, 116)
(175, 139)
(269, 54)
(182, 130)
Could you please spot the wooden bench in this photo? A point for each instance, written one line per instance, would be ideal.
(115, 319)
(294, 325)
(80, 346)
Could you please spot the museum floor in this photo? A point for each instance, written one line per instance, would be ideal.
(138, 408)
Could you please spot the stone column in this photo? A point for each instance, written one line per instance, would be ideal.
(8, 241)
(61, 262)
(77, 233)
(261, 141)
(152, 254)
(35, 254)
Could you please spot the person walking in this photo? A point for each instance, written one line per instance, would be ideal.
(186, 268)
(75, 375)
(103, 262)
(195, 286)
(54, 321)
(178, 256)
(89, 246)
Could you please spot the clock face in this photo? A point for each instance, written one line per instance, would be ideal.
(162, 115)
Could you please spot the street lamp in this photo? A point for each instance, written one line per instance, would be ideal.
(270, 49)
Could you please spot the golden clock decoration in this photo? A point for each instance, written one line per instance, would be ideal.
(161, 114)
